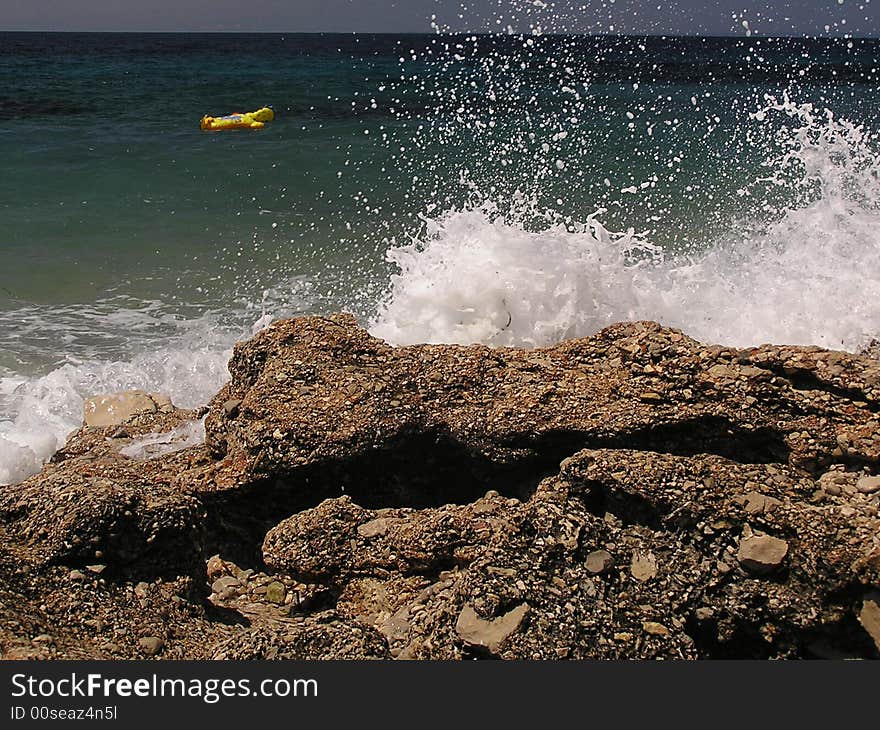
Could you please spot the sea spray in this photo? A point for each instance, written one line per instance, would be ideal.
(506, 145)
(806, 276)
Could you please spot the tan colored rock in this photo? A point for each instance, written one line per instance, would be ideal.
(761, 553)
(868, 485)
(151, 645)
(598, 562)
(373, 528)
(163, 402)
(755, 503)
(489, 634)
(115, 409)
(397, 627)
(654, 628)
(643, 567)
(869, 616)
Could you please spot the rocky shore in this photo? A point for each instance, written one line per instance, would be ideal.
(635, 494)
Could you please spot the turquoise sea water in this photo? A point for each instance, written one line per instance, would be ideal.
(134, 248)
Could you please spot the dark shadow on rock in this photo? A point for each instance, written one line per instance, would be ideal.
(222, 615)
(429, 469)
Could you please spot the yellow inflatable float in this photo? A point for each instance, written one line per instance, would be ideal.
(238, 120)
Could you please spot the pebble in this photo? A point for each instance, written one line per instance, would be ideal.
(230, 407)
(654, 628)
(225, 585)
(215, 566)
(151, 645)
(868, 485)
(598, 562)
(276, 592)
(869, 616)
(373, 528)
(761, 553)
(643, 567)
(490, 634)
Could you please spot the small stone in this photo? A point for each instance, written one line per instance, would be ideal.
(151, 645)
(489, 634)
(231, 406)
(643, 567)
(755, 503)
(276, 592)
(163, 403)
(373, 528)
(761, 553)
(96, 569)
(598, 562)
(142, 590)
(649, 396)
(397, 627)
(215, 566)
(225, 585)
(654, 628)
(76, 575)
(868, 485)
(43, 639)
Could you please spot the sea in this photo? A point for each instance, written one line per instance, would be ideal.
(509, 189)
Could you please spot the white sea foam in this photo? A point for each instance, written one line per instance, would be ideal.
(37, 414)
(186, 359)
(806, 277)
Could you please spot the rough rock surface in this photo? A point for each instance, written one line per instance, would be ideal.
(631, 494)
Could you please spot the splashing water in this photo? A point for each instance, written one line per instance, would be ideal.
(190, 367)
(805, 277)
(488, 154)
(48, 408)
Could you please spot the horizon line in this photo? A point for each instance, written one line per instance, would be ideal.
(434, 33)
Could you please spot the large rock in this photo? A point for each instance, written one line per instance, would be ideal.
(621, 542)
(338, 540)
(100, 507)
(321, 391)
(631, 494)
